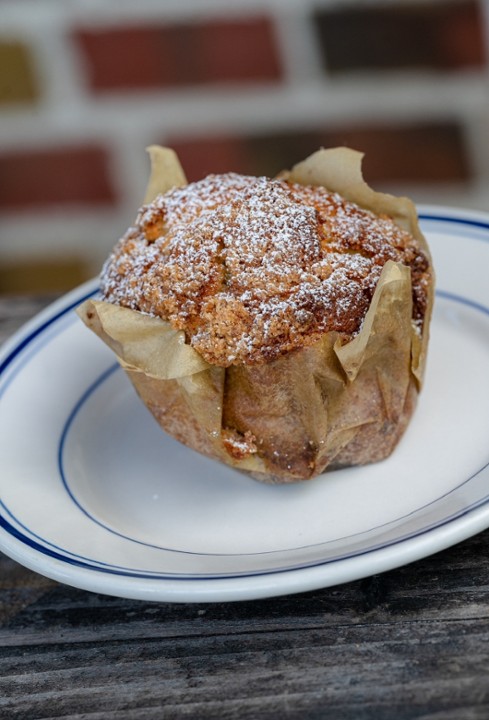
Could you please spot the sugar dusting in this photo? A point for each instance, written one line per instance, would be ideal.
(252, 268)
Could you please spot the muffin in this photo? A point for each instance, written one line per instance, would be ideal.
(277, 325)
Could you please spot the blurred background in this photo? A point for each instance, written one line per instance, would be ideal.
(246, 86)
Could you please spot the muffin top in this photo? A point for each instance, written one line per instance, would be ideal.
(252, 268)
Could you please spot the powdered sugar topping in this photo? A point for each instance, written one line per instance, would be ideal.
(252, 268)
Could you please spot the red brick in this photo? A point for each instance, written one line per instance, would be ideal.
(145, 57)
(238, 51)
(426, 153)
(203, 156)
(421, 153)
(59, 176)
(406, 153)
(461, 37)
(129, 58)
(438, 36)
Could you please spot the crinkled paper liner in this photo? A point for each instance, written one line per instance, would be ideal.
(325, 406)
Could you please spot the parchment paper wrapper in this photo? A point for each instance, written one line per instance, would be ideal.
(321, 407)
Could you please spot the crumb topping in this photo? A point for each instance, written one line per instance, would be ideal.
(251, 268)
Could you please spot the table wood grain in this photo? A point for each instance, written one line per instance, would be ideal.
(410, 643)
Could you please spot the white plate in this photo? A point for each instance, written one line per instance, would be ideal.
(93, 494)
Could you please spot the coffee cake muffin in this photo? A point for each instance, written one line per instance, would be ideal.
(302, 312)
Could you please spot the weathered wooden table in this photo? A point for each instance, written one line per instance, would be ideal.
(411, 643)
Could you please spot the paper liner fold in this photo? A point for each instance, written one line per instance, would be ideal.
(332, 404)
(166, 172)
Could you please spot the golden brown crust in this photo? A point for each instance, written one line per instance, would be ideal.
(252, 268)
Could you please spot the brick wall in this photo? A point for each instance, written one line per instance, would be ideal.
(246, 86)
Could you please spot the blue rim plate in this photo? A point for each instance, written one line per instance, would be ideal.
(94, 495)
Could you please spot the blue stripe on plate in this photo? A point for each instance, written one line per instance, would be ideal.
(483, 225)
